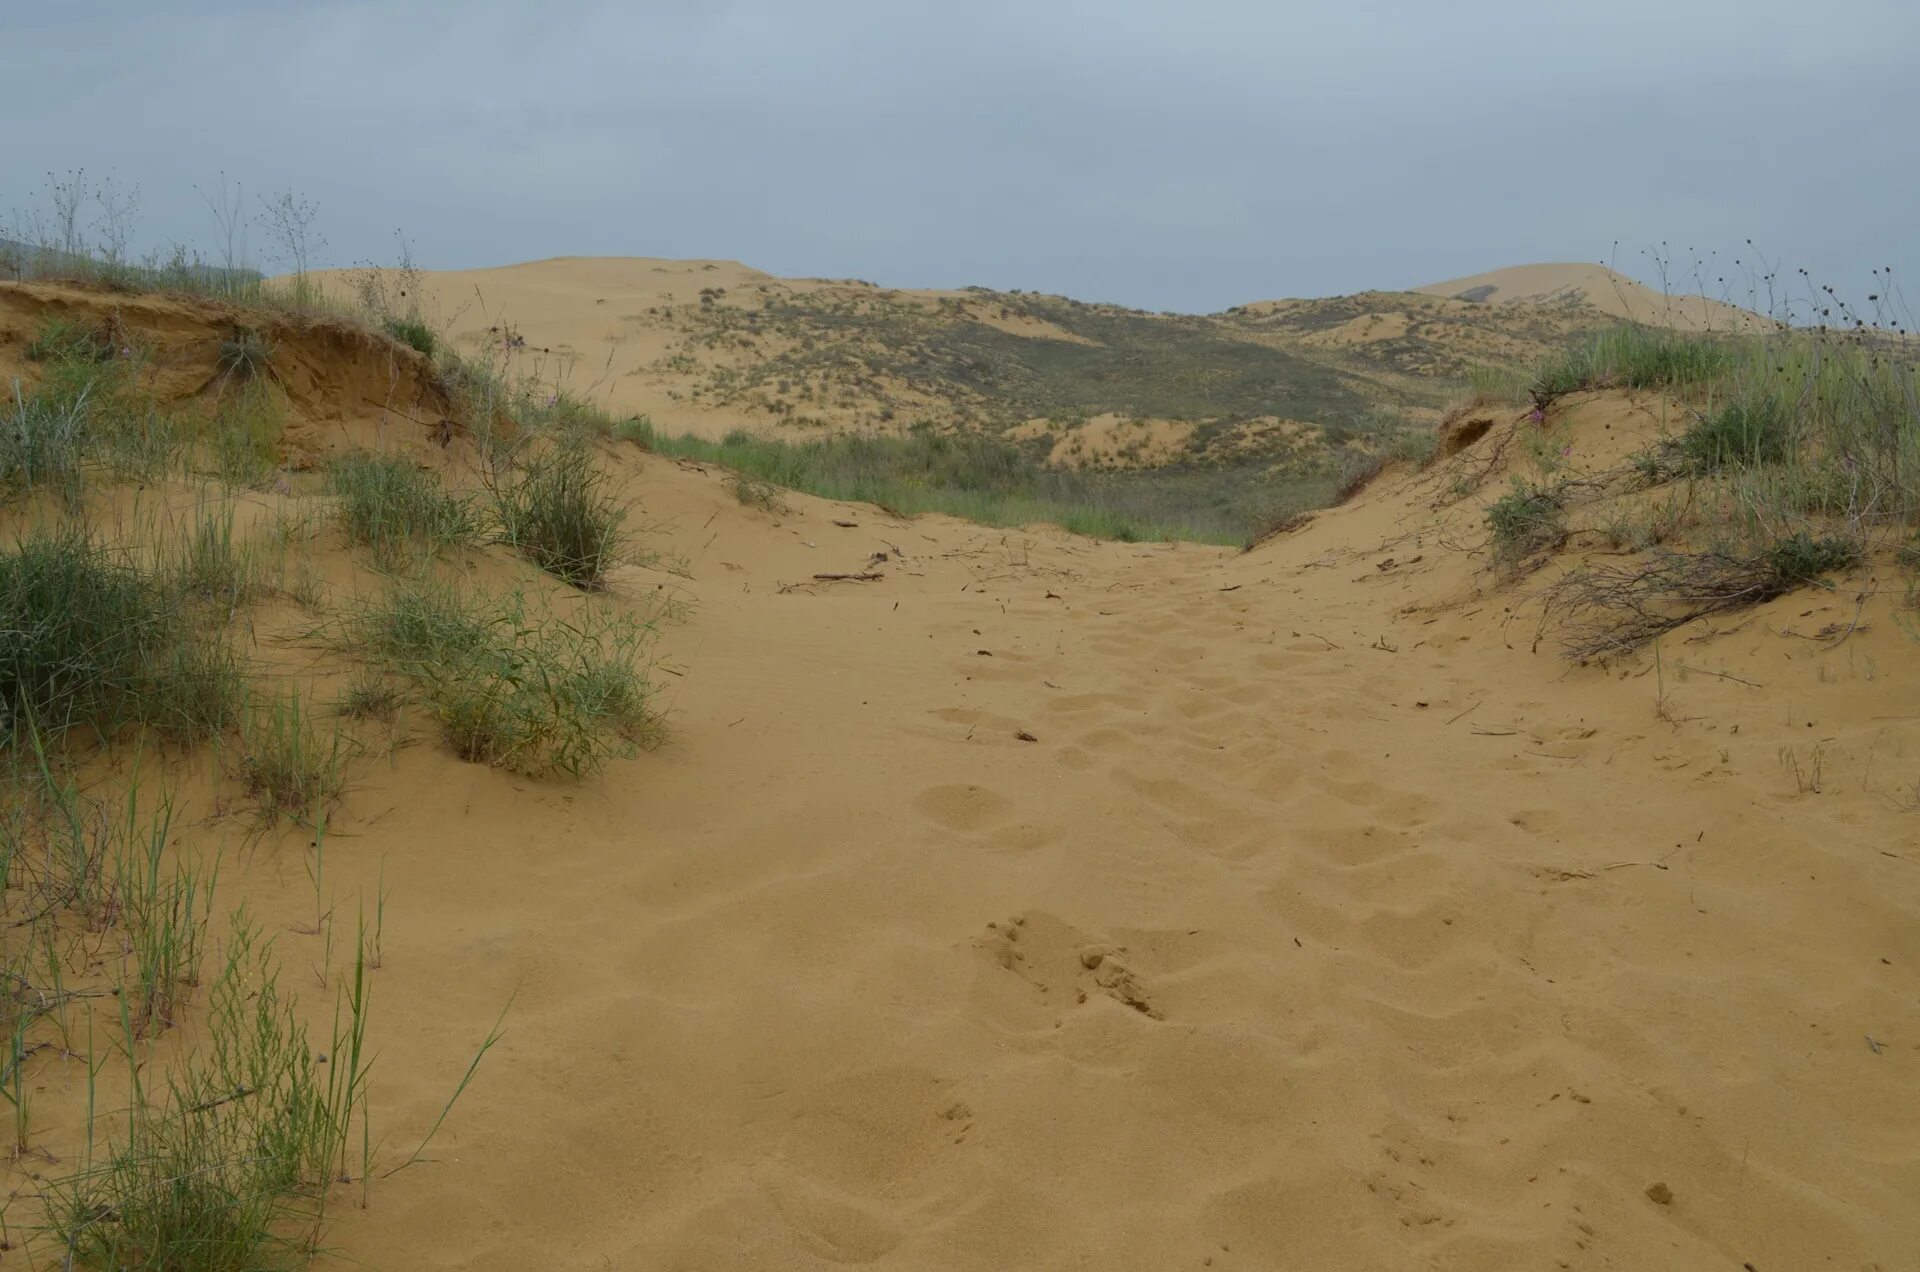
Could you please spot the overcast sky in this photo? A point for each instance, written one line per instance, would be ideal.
(1170, 155)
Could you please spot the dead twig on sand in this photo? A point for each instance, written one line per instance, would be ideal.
(1615, 609)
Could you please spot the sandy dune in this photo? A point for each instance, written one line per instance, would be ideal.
(1604, 289)
(1322, 925)
(1319, 919)
(690, 343)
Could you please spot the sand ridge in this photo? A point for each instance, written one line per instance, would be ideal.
(1602, 288)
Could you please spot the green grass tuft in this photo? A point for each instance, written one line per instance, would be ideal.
(371, 695)
(247, 428)
(244, 355)
(87, 639)
(43, 443)
(1636, 357)
(754, 492)
(411, 332)
(531, 691)
(291, 764)
(1741, 434)
(559, 512)
(390, 504)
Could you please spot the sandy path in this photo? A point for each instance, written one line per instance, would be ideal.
(1250, 960)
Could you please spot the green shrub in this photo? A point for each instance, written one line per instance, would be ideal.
(389, 502)
(1801, 558)
(1740, 434)
(1525, 520)
(411, 332)
(87, 639)
(560, 513)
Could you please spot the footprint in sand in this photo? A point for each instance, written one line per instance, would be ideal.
(963, 806)
(1067, 967)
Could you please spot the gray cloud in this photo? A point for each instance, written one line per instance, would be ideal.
(1174, 156)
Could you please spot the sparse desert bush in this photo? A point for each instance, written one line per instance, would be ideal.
(1608, 609)
(244, 354)
(390, 504)
(1524, 521)
(371, 695)
(532, 691)
(87, 639)
(754, 492)
(560, 512)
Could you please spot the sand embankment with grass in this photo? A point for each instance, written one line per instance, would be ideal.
(1041, 902)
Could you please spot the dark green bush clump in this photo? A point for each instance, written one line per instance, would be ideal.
(1801, 558)
(86, 639)
(1740, 434)
(411, 332)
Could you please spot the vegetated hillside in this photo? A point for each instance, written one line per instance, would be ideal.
(709, 346)
(1384, 895)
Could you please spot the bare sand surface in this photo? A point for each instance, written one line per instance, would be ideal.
(1321, 923)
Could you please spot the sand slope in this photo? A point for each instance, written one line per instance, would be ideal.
(1323, 925)
(1603, 289)
(1321, 920)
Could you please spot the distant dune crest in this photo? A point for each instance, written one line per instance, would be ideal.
(1602, 289)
